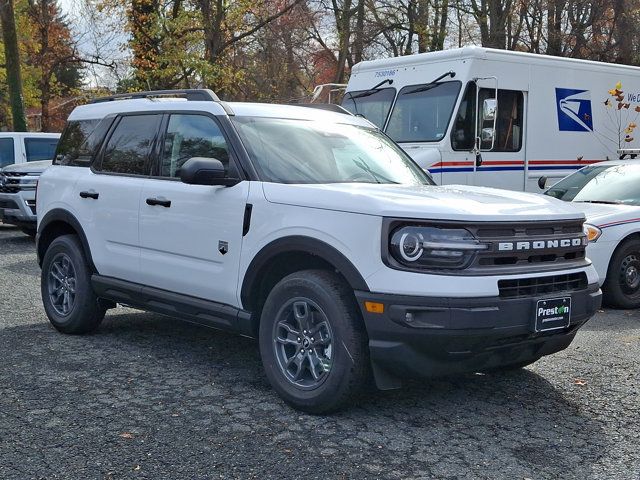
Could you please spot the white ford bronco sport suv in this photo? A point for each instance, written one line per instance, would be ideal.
(310, 230)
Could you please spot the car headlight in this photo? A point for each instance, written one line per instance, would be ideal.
(592, 232)
(429, 247)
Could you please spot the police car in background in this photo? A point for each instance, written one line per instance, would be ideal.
(609, 195)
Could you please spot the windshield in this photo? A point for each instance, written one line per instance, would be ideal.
(601, 184)
(374, 105)
(423, 116)
(299, 151)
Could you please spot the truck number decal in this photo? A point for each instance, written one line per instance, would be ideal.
(384, 73)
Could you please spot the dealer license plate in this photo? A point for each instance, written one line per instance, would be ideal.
(553, 314)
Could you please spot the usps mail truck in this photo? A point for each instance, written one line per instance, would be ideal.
(480, 116)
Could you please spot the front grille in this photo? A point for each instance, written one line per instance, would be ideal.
(10, 182)
(537, 286)
(535, 244)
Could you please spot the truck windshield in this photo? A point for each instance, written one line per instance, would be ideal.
(374, 106)
(617, 184)
(423, 115)
(300, 151)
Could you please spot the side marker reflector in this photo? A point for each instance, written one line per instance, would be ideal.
(374, 307)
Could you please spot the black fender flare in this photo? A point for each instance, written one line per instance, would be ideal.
(300, 243)
(64, 216)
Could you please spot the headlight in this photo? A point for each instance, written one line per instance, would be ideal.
(434, 247)
(592, 232)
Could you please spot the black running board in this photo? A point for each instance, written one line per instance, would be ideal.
(185, 307)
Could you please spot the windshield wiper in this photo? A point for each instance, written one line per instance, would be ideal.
(360, 163)
(370, 91)
(606, 202)
(431, 84)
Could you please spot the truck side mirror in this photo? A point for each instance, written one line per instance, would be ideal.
(487, 135)
(489, 107)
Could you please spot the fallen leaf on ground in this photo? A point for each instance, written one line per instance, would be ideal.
(126, 435)
(580, 381)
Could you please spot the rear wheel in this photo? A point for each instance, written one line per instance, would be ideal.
(313, 343)
(622, 286)
(65, 284)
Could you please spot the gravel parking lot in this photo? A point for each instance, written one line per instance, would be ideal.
(147, 396)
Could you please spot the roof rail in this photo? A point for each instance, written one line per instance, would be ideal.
(331, 107)
(199, 94)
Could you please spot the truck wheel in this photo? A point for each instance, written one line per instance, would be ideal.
(622, 286)
(313, 343)
(65, 284)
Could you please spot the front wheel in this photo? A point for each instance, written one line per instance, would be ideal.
(313, 343)
(65, 284)
(622, 286)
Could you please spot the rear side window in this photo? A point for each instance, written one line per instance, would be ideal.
(7, 152)
(40, 148)
(79, 142)
(127, 150)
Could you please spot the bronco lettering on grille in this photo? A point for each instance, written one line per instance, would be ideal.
(541, 244)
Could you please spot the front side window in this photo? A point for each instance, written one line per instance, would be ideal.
(129, 147)
(190, 136)
(422, 112)
(617, 184)
(374, 105)
(7, 152)
(509, 121)
(299, 151)
(40, 148)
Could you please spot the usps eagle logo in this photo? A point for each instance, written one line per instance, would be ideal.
(574, 110)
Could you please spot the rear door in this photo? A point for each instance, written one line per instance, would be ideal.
(109, 195)
(191, 235)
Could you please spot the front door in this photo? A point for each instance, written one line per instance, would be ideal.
(191, 235)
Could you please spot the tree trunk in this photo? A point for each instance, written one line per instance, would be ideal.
(12, 56)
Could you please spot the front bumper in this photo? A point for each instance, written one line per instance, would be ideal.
(430, 336)
(18, 208)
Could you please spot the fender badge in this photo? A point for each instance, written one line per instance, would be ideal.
(223, 247)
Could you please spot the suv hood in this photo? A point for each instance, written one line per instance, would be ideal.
(600, 213)
(452, 202)
(28, 167)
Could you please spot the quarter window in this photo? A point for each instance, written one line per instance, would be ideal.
(7, 152)
(40, 148)
(129, 146)
(80, 140)
(191, 136)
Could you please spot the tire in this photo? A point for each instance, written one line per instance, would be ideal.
(65, 284)
(29, 231)
(511, 366)
(335, 345)
(621, 288)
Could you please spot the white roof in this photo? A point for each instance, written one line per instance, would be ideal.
(102, 109)
(481, 53)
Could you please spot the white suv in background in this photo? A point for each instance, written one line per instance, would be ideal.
(310, 230)
(23, 157)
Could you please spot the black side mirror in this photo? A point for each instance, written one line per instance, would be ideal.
(205, 171)
(542, 182)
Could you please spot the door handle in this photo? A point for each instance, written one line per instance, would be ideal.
(163, 202)
(89, 194)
